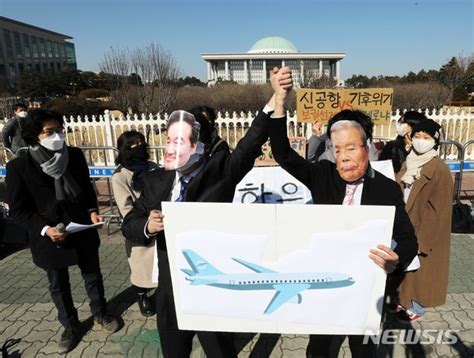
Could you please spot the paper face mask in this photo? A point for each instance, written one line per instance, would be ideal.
(180, 152)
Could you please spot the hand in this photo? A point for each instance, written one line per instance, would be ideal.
(317, 125)
(95, 218)
(385, 257)
(281, 81)
(56, 236)
(155, 222)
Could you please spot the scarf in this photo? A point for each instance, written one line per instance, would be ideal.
(54, 164)
(139, 169)
(415, 163)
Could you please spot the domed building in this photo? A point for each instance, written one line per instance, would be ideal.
(254, 66)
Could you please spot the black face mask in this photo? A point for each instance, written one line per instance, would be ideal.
(139, 153)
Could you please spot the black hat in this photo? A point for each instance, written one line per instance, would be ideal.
(428, 126)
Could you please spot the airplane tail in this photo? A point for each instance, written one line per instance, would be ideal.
(198, 265)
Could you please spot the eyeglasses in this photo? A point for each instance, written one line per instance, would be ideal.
(350, 150)
(50, 131)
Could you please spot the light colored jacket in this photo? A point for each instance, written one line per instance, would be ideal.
(140, 258)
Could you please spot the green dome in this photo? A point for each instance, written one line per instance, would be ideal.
(273, 44)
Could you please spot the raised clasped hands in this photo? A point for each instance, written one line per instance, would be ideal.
(282, 81)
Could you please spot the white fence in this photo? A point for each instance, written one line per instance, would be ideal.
(103, 130)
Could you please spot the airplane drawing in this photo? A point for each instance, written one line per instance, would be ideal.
(288, 286)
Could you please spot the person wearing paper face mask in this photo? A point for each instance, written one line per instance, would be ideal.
(47, 186)
(428, 191)
(397, 149)
(192, 174)
(128, 181)
(11, 131)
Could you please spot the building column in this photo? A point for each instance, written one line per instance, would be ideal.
(302, 72)
(209, 72)
(320, 68)
(246, 72)
(282, 63)
(226, 70)
(264, 71)
(214, 72)
(338, 70)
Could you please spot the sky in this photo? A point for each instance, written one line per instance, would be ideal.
(379, 37)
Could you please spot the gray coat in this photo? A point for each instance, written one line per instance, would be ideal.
(11, 134)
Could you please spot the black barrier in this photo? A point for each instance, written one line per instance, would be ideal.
(467, 166)
(105, 156)
(460, 160)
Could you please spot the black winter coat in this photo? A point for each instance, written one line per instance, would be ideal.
(32, 202)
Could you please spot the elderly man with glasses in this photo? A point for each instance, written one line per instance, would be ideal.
(349, 181)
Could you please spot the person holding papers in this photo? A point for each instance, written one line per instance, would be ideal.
(47, 189)
(191, 174)
(349, 181)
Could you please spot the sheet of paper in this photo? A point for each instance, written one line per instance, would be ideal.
(73, 227)
(154, 274)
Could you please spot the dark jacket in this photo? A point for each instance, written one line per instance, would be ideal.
(327, 187)
(215, 183)
(31, 197)
(11, 134)
(396, 152)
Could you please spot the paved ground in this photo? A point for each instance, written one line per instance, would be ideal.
(26, 312)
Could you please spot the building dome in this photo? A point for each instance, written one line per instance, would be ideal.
(273, 44)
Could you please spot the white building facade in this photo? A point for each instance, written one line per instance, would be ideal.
(254, 66)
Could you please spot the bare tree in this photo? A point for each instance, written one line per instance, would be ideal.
(419, 95)
(313, 80)
(116, 65)
(166, 74)
(149, 72)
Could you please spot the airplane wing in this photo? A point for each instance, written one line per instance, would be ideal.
(284, 294)
(253, 267)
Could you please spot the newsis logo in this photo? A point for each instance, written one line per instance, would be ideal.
(412, 336)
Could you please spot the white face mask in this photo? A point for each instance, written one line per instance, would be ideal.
(22, 114)
(54, 142)
(423, 145)
(402, 129)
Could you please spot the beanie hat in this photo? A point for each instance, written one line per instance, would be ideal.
(430, 127)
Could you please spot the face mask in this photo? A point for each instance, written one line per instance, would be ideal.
(139, 153)
(402, 129)
(22, 114)
(53, 142)
(423, 145)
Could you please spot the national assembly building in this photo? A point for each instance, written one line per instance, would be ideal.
(254, 66)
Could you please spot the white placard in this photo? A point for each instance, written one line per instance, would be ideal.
(271, 185)
(300, 269)
(274, 185)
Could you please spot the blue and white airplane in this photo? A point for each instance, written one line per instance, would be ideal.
(288, 286)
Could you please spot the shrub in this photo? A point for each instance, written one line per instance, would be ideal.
(93, 93)
(75, 106)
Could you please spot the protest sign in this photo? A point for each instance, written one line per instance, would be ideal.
(276, 268)
(321, 104)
